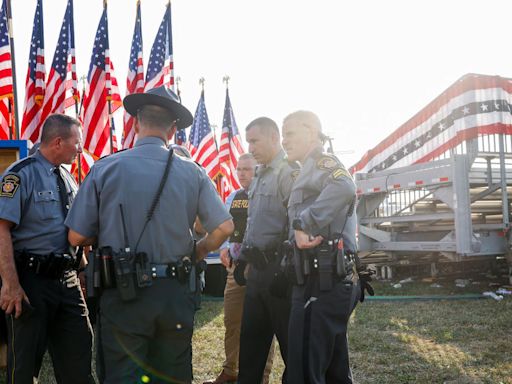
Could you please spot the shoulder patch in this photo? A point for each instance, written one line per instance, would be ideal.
(10, 185)
(328, 163)
(340, 172)
(295, 174)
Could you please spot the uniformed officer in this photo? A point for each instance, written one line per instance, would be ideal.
(264, 314)
(322, 221)
(237, 203)
(40, 292)
(139, 206)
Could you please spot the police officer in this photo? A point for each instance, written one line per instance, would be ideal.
(264, 314)
(237, 203)
(139, 206)
(322, 225)
(40, 293)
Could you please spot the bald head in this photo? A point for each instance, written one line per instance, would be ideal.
(302, 131)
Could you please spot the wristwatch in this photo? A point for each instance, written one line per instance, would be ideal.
(298, 225)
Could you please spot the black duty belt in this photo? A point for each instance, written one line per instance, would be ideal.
(52, 265)
(261, 259)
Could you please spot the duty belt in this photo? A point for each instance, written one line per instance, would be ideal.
(261, 259)
(52, 265)
(171, 270)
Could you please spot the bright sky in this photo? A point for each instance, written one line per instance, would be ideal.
(365, 67)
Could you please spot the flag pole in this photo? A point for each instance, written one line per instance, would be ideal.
(169, 32)
(13, 65)
(109, 96)
(78, 112)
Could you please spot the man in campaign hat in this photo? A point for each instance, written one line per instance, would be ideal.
(139, 206)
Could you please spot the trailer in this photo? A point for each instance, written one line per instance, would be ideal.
(455, 206)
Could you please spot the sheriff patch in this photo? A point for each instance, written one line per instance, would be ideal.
(10, 185)
(327, 163)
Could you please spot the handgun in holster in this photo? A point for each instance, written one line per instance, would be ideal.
(298, 261)
(192, 276)
(93, 273)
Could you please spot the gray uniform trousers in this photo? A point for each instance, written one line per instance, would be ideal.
(264, 316)
(318, 346)
(149, 336)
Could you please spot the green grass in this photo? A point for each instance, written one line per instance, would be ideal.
(453, 342)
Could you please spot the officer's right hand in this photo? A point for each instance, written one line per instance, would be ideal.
(11, 297)
(305, 241)
(224, 257)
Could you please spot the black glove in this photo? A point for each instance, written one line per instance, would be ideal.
(279, 286)
(364, 280)
(239, 272)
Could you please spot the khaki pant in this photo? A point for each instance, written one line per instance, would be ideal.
(233, 308)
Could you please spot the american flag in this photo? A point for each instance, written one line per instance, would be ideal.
(101, 88)
(202, 142)
(35, 84)
(230, 148)
(87, 160)
(135, 79)
(180, 137)
(161, 65)
(473, 105)
(6, 91)
(62, 77)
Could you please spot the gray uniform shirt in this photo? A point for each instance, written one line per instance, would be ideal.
(321, 197)
(131, 179)
(30, 199)
(268, 196)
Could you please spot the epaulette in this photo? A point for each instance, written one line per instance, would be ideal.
(111, 154)
(22, 164)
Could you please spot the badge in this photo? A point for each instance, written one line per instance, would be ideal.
(295, 174)
(327, 163)
(10, 184)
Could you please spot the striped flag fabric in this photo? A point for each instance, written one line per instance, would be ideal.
(203, 147)
(135, 78)
(180, 137)
(473, 105)
(230, 147)
(6, 89)
(61, 86)
(35, 83)
(87, 160)
(101, 89)
(161, 65)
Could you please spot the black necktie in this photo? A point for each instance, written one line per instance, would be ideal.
(63, 192)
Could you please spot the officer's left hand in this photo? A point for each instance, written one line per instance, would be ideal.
(305, 241)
